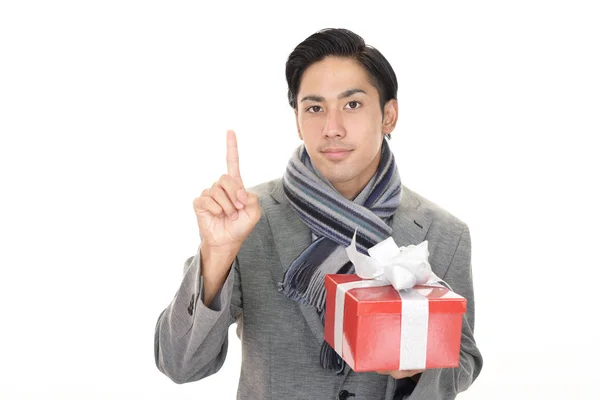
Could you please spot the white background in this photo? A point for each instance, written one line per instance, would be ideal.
(113, 117)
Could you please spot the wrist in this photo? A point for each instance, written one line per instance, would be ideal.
(218, 254)
(216, 262)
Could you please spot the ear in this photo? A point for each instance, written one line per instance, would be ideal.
(298, 124)
(390, 116)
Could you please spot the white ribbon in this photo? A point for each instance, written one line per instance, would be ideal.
(340, 297)
(403, 268)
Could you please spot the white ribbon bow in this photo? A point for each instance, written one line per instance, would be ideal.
(402, 267)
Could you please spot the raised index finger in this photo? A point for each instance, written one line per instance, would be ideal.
(233, 159)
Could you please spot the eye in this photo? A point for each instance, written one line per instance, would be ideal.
(353, 105)
(314, 109)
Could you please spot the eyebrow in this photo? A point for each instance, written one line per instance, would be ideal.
(344, 94)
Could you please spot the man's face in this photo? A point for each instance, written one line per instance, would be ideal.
(340, 121)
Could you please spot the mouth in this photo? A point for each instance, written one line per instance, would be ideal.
(336, 153)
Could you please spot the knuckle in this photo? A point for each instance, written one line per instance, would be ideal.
(225, 181)
(199, 205)
(226, 204)
(222, 200)
(216, 191)
(224, 178)
(216, 209)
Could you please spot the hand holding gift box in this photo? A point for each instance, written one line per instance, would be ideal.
(393, 314)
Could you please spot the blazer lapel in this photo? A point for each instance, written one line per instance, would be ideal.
(410, 224)
(291, 236)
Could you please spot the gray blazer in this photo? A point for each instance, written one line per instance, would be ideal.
(281, 339)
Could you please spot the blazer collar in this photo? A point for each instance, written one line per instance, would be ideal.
(291, 236)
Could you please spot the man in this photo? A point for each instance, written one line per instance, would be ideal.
(264, 251)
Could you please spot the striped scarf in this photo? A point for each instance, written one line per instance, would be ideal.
(333, 219)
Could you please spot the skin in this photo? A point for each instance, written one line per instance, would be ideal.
(340, 121)
(226, 214)
(339, 109)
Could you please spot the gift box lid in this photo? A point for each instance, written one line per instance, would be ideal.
(387, 300)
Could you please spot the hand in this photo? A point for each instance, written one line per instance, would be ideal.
(226, 212)
(409, 373)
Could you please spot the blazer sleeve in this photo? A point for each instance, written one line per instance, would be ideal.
(447, 383)
(190, 339)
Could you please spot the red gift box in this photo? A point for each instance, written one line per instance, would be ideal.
(369, 334)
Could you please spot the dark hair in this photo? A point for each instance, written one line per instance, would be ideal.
(340, 43)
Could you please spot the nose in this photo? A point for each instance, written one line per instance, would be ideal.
(334, 125)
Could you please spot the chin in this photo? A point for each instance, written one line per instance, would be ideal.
(336, 177)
